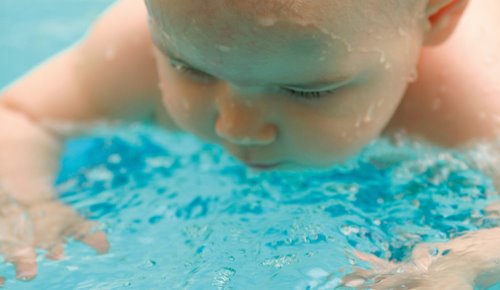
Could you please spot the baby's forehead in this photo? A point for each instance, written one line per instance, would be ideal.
(318, 11)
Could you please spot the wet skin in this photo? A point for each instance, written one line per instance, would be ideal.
(281, 84)
(282, 90)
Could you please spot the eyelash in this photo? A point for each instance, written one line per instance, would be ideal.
(189, 70)
(308, 95)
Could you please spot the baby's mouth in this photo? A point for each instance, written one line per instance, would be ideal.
(263, 166)
(251, 157)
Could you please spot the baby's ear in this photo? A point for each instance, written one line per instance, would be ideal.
(443, 17)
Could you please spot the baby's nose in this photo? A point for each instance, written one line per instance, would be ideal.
(242, 124)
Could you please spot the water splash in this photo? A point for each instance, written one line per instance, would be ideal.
(207, 221)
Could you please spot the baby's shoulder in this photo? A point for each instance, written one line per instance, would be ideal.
(456, 98)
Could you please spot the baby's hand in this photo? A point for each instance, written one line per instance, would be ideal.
(428, 270)
(45, 225)
(457, 264)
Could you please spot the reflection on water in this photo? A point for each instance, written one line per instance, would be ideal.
(185, 215)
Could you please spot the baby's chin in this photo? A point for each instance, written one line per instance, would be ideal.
(291, 167)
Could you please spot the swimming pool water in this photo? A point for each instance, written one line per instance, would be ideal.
(181, 214)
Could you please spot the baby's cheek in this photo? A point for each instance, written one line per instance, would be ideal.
(192, 109)
(331, 138)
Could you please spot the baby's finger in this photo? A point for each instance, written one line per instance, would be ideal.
(493, 210)
(375, 262)
(87, 233)
(24, 259)
(354, 280)
(2, 281)
(56, 252)
(96, 240)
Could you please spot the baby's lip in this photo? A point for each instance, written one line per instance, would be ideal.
(264, 166)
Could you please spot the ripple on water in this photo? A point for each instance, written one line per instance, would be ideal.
(188, 216)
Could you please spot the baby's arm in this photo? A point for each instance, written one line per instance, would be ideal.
(109, 75)
(461, 263)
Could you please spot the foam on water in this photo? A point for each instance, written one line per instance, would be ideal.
(181, 214)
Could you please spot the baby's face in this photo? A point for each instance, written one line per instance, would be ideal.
(285, 84)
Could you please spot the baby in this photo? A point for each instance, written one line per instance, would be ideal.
(282, 84)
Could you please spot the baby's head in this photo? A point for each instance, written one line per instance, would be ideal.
(299, 83)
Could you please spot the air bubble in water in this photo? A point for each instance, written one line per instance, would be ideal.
(223, 277)
(347, 230)
(317, 273)
(280, 261)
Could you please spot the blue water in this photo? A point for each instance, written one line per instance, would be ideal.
(181, 214)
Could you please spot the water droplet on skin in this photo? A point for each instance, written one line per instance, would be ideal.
(436, 104)
(224, 48)
(166, 36)
(267, 21)
(186, 104)
(369, 114)
(333, 36)
(110, 53)
(413, 76)
(402, 32)
(382, 57)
